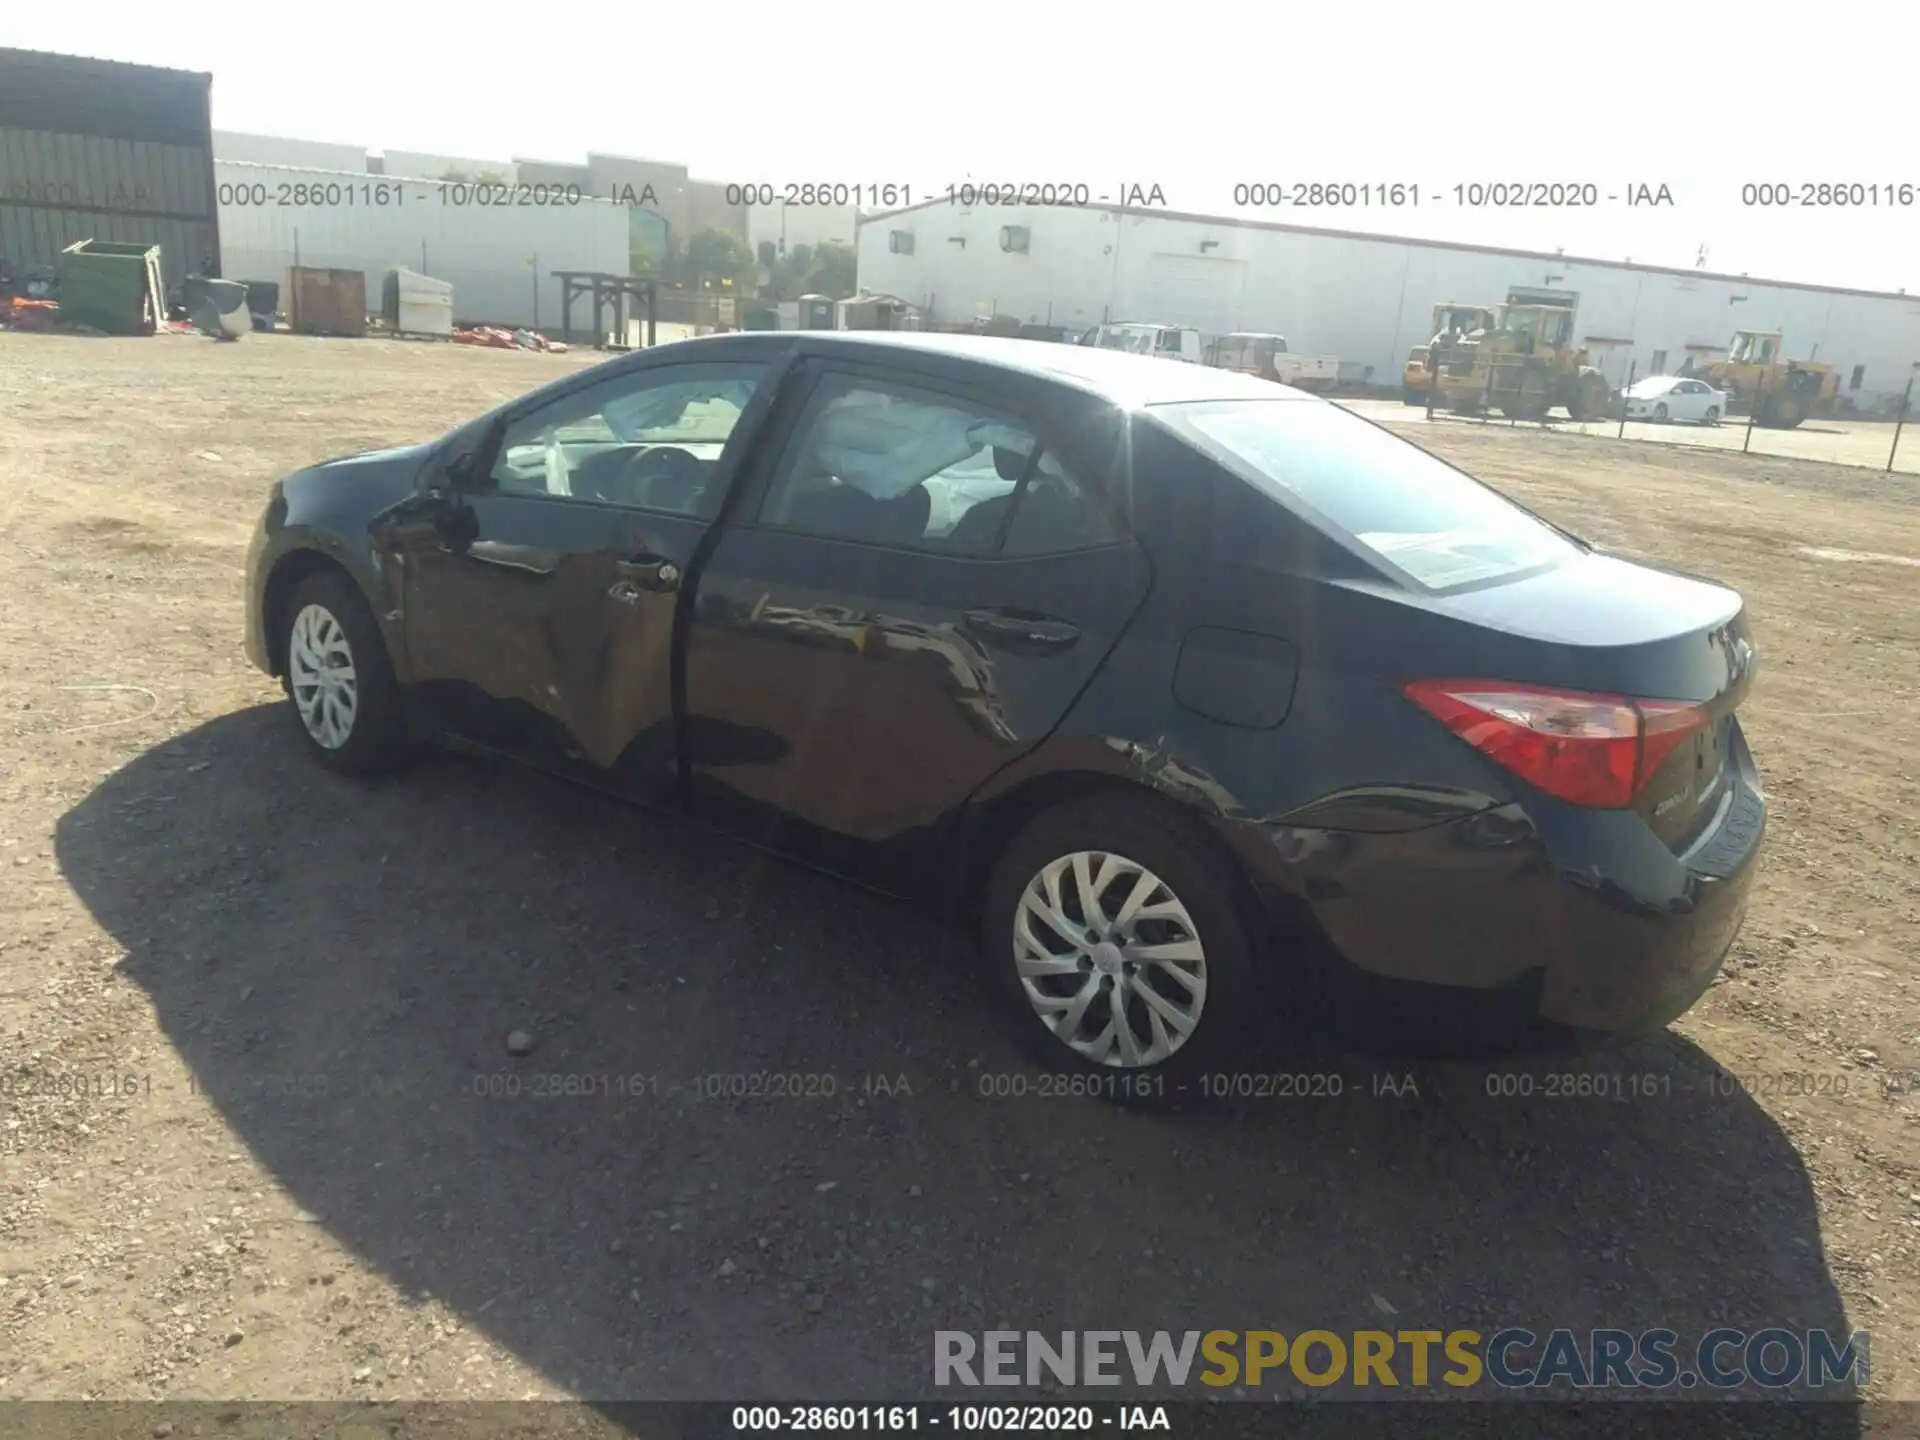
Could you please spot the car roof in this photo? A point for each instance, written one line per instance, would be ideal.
(1124, 379)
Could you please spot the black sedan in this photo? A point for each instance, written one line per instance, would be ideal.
(1196, 695)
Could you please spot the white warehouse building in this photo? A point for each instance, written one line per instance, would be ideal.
(1365, 299)
(499, 258)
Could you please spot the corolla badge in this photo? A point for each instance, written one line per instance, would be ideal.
(1740, 655)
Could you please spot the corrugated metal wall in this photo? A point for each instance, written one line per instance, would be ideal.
(273, 216)
(1363, 299)
(92, 149)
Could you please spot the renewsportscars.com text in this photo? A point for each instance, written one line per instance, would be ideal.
(1513, 1358)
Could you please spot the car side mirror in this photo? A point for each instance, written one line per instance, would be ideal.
(462, 470)
(458, 473)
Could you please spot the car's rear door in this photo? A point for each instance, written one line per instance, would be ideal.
(540, 610)
(858, 665)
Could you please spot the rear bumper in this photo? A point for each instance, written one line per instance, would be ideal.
(1584, 920)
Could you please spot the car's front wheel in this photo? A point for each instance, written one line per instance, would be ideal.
(1120, 950)
(340, 680)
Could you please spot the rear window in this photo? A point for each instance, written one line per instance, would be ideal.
(1424, 519)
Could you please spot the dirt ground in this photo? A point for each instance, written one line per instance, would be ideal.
(260, 1136)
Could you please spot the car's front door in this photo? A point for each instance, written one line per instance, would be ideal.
(921, 579)
(540, 600)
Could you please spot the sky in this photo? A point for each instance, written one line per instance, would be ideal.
(1198, 99)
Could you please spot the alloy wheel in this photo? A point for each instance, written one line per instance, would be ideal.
(1110, 959)
(320, 674)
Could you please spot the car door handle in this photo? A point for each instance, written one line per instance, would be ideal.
(646, 572)
(1020, 630)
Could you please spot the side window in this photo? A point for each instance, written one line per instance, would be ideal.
(897, 465)
(1056, 513)
(893, 464)
(650, 440)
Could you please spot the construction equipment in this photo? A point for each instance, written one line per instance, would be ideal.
(1526, 364)
(1450, 319)
(1779, 393)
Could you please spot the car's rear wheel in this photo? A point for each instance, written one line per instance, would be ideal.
(1713, 414)
(1120, 949)
(340, 680)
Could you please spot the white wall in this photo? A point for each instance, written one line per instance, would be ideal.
(371, 223)
(1363, 300)
(278, 150)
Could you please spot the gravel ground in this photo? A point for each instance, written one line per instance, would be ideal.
(299, 1162)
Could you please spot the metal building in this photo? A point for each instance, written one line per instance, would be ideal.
(281, 150)
(97, 149)
(500, 257)
(1366, 299)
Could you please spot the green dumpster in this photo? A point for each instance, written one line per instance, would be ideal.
(112, 287)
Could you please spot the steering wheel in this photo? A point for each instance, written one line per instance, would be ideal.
(664, 477)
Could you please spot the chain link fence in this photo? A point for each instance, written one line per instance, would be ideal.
(1520, 393)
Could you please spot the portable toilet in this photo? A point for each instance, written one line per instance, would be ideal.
(817, 313)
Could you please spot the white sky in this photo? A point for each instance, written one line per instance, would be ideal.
(1194, 97)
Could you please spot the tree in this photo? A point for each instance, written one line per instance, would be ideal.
(826, 269)
(457, 176)
(710, 255)
(831, 271)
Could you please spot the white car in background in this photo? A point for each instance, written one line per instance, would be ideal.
(1673, 397)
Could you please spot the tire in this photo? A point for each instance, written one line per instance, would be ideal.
(1590, 398)
(1660, 412)
(356, 723)
(1713, 414)
(1529, 400)
(1204, 916)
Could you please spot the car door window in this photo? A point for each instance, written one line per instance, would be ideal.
(895, 464)
(649, 439)
(1055, 513)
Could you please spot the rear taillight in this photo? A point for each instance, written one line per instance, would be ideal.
(1596, 750)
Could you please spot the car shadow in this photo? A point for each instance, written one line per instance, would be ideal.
(796, 1142)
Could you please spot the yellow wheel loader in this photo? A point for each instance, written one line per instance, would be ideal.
(1526, 364)
(1451, 321)
(1779, 393)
